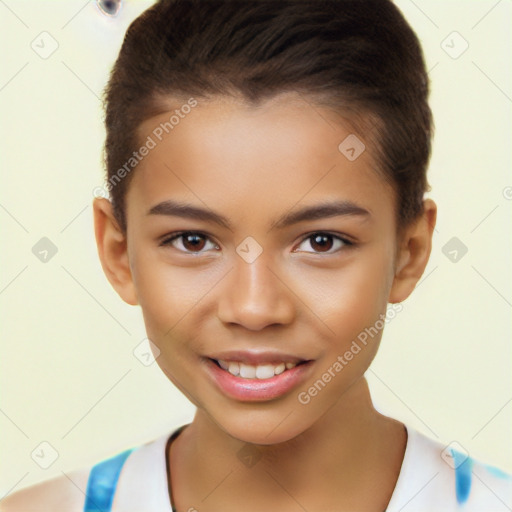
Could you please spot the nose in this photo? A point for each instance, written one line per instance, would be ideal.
(255, 296)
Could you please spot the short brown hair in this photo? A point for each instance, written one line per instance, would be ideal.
(360, 54)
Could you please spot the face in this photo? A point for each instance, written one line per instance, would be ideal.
(259, 254)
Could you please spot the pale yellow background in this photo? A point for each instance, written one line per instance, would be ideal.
(68, 373)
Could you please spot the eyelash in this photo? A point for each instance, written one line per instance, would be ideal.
(174, 236)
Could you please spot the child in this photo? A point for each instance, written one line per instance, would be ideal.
(267, 168)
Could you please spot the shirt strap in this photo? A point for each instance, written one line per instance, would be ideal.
(102, 483)
(463, 473)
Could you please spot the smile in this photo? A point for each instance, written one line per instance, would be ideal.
(250, 371)
(258, 380)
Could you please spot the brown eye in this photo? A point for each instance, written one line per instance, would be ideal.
(193, 242)
(324, 243)
(321, 242)
(189, 242)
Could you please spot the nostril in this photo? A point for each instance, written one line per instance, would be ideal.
(109, 7)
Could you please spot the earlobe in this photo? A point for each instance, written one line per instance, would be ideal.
(113, 250)
(413, 253)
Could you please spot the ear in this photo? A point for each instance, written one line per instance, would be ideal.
(414, 249)
(113, 250)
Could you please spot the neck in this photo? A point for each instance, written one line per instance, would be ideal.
(339, 454)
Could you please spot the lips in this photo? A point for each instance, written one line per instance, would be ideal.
(248, 376)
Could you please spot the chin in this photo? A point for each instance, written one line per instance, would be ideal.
(263, 428)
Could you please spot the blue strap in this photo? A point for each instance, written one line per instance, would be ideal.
(102, 483)
(463, 473)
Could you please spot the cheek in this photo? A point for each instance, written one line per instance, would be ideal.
(351, 302)
(165, 299)
(166, 293)
(172, 298)
(352, 297)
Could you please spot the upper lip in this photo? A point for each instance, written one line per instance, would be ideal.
(255, 357)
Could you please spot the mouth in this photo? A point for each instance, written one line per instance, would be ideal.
(252, 371)
(257, 381)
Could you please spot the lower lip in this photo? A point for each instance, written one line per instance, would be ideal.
(257, 389)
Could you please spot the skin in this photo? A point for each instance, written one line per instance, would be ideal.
(253, 165)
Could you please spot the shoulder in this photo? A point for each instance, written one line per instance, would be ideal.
(66, 492)
(435, 476)
(121, 474)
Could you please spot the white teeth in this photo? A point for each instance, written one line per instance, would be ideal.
(234, 369)
(279, 369)
(264, 371)
(249, 371)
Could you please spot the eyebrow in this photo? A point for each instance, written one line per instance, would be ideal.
(307, 213)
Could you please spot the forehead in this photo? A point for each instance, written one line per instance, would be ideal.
(250, 160)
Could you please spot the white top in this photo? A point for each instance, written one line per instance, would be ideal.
(428, 480)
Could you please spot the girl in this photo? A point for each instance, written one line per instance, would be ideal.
(266, 169)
